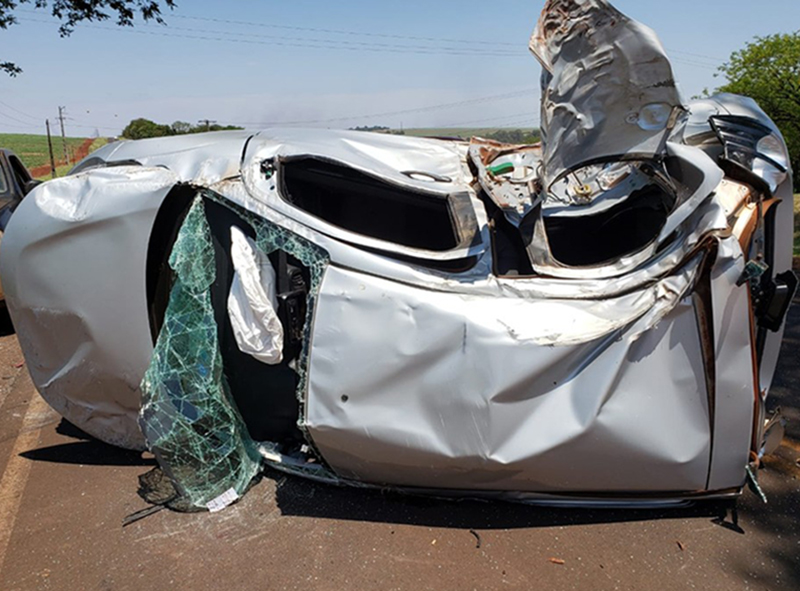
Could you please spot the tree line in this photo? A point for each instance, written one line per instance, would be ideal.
(140, 129)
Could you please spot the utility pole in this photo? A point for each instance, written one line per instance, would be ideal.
(50, 145)
(208, 123)
(63, 135)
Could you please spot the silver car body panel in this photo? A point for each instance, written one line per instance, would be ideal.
(633, 378)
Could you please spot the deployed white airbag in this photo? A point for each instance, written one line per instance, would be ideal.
(252, 303)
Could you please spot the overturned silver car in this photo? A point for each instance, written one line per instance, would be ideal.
(593, 319)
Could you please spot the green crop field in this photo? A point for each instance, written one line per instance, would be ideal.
(63, 169)
(32, 149)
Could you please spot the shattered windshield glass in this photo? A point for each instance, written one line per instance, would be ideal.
(188, 418)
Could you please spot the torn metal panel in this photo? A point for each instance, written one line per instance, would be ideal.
(608, 89)
(510, 176)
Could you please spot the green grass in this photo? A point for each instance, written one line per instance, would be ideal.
(63, 169)
(98, 143)
(32, 149)
(60, 171)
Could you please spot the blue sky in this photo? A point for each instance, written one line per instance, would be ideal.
(317, 63)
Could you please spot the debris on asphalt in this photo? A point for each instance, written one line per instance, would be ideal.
(477, 539)
(139, 515)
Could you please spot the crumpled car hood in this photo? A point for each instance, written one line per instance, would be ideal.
(608, 90)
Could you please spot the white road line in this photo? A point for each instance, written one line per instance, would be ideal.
(15, 477)
(9, 386)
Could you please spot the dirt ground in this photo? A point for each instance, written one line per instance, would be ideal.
(78, 154)
(63, 497)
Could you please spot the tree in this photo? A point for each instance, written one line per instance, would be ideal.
(768, 70)
(139, 129)
(72, 12)
(181, 128)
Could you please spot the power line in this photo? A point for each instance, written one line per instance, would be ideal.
(371, 44)
(700, 55)
(485, 49)
(686, 62)
(481, 42)
(27, 126)
(20, 112)
(485, 99)
(347, 45)
(7, 116)
(39, 119)
(321, 44)
(96, 127)
(481, 47)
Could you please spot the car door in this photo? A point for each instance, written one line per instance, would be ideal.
(7, 185)
(19, 183)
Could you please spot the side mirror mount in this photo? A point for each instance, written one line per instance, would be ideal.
(30, 186)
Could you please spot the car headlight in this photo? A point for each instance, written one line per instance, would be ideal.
(753, 146)
(771, 147)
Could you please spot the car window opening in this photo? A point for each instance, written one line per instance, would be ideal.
(20, 172)
(509, 252)
(617, 232)
(362, 204)
(270, 414)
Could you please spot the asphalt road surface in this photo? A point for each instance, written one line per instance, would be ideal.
(63, 497)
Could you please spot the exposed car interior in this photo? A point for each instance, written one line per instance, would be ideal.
(360, 203)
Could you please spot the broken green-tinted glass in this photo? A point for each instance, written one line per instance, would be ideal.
(187, 416)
